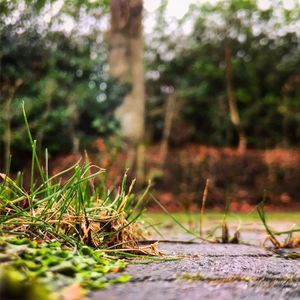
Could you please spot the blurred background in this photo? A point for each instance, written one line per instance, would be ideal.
(177, 91)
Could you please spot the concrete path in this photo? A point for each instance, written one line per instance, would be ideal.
(209, 271)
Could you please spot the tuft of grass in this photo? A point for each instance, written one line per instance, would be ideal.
(59, 229)
(225, 237)
(291, 240)
(78, 211)
(73, 212)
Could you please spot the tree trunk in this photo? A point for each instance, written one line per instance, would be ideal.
(49, 90)
(170, 107)
(233, 110)
(73, 122)
(126, 63)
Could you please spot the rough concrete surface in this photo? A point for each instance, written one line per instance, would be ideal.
(209, 271)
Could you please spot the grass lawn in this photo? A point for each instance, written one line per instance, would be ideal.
(245, 221)
(210, 216)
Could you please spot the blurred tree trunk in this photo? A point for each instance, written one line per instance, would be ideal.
(73, 122)
(169, 113)
(126, 63)
(233, 110)
(49, 91)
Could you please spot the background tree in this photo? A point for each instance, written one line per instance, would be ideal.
(69, 97)
(127, 64)
(264, 47)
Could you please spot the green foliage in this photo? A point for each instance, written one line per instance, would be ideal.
(265, 57)
(34, 269)
(64, 83)
(69, 96)
(71, 7)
